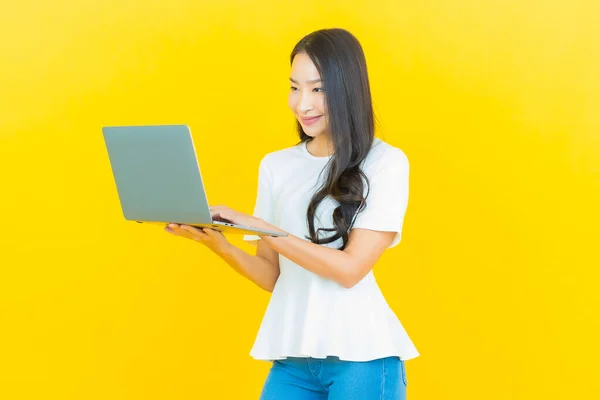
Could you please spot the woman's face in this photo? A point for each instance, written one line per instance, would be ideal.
(306, 99)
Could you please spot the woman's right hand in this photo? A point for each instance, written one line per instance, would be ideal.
(214, 240)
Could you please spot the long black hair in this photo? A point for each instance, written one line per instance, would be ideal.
(340, 60)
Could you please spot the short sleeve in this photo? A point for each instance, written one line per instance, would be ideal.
(387, 199)
(263, 207)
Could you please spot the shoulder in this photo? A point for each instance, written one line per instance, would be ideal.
(275, 160)
(384, 156)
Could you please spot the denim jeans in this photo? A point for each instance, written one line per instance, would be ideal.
(335, 379)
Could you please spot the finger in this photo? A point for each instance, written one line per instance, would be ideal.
(172, 228)
(218, 209)
(224, 213)
(222, 218)
(175, 228)
(192, 230)
(179, 231)
(213, 233)
(188, 232)
(199, 234)
(202, 237)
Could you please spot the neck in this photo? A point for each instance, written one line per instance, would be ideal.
(321, 146)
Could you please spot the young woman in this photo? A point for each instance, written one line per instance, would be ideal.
(341, 195)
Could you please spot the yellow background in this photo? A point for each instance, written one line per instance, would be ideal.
(496, 104)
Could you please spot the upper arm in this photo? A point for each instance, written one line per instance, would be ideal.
(366, 247)
(379, 225)
(387, 199)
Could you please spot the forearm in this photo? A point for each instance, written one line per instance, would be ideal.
(329, 263)
(257, 269)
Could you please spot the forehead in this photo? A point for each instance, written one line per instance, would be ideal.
(303, 67)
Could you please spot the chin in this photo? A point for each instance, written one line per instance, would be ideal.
(313, 133)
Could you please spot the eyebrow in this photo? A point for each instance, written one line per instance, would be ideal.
(309, 81)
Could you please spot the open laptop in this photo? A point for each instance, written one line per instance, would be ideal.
(158, 178)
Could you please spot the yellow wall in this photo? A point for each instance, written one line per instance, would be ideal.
(496, 104)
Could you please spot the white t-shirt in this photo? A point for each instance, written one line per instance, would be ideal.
(311, 316)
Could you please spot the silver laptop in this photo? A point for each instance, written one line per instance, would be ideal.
(158, 178)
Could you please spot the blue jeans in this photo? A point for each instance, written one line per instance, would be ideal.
(334, 379)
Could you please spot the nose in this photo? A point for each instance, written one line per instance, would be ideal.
(305, 103)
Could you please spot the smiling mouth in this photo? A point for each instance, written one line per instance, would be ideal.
(310, 120)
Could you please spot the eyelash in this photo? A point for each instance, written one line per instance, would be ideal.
(295, 88)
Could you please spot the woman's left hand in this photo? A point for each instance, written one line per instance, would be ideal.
(226, 214)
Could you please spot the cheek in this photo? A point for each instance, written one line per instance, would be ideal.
(322, 105)
(292, 101)
(325, 114)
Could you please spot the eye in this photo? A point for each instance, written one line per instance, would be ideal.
(318, 89)
(294, 88)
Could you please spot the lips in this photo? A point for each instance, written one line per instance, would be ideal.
(310, 120)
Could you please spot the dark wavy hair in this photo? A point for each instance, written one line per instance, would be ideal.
(340, 60)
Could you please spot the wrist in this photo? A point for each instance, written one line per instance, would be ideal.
(265, 226)
(224, 251)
